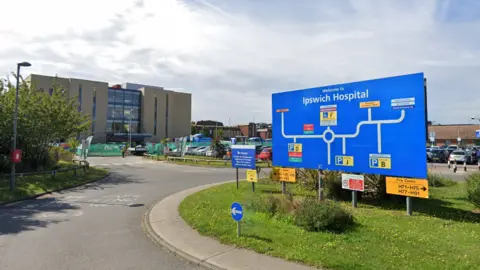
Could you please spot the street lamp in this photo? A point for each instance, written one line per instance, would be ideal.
(15, 112)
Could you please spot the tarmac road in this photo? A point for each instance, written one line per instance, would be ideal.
(98, 226)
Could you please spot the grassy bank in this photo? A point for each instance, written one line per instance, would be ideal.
(444, 233)
(31, 185)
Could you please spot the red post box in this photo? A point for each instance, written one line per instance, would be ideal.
(17, 156)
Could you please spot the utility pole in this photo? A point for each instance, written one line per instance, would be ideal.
(15, 116)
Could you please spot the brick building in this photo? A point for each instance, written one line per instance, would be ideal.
(448, 134)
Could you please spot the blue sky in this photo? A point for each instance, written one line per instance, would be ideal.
(232, 55)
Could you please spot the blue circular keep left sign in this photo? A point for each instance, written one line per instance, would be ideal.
(237, 211)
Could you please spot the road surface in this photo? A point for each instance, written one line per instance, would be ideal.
(98, 226)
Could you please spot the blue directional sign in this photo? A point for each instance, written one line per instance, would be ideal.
(243, 156)
(237, 211)
(477, 133)
(376, 126)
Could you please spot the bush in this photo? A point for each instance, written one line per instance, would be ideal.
(333, 186)
(271, 204)
(313, 215)
(437, 180)
(473, 188)
(307, 179)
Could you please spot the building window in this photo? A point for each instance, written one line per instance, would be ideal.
(155, 118)
(50, 91)
(80, 90)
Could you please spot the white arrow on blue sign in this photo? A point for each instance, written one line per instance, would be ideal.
(237, 211)
(477, 133)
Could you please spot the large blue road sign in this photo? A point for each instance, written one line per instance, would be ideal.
(376, 126)
(237, 211)
(243, 156)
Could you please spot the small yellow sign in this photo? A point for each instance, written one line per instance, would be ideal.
(407, 187)
(370, 104)
(380, 161)
(295, 147)
(284, 175)
(344, 160)
(252, 176)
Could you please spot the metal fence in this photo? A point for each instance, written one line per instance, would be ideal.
(78, 170)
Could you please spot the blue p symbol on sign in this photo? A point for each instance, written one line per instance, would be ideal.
(339, 160)
(373, 162)
(325, 115)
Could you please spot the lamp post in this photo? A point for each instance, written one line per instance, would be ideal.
(15, 113)
(130, 129)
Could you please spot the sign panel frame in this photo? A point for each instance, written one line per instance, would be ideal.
(408, 187)
(243, 156)
(369, 123)
(354, 182)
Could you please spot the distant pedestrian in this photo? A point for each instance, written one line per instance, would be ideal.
(124, 150)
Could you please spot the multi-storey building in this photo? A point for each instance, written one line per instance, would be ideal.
(118, 112)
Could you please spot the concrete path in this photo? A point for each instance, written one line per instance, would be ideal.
(164, 225)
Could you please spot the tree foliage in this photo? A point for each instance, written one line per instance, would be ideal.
(43, 119)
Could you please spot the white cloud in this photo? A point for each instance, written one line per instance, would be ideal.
(233, 55)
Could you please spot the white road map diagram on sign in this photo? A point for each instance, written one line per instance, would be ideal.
(329, 136)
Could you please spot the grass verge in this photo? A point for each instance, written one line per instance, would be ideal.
(444, 233)
(32, 185)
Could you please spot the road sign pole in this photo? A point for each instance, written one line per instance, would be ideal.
(237, 176)
(320, 185)
(354, 199)
(253, 186)
(409, 206)
(284, 188)
(238, 229)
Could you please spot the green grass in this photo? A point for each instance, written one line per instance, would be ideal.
(444, 233)
(36, 184)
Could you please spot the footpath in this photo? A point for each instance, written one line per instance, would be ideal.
(164, 226)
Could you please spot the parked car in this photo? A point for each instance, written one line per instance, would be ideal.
(438, 155)
(138, 150)
(266, 154)
(200, 151)
(461, 156)
(451, 148)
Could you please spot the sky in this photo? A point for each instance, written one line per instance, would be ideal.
(232, 55)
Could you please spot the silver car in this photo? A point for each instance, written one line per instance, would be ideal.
(460, 156)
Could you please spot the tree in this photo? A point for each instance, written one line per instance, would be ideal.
(42, 120)
(206, 132)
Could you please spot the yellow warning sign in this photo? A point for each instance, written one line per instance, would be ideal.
(407, 187)
(252, 176)
(284, 175)
(370, 104)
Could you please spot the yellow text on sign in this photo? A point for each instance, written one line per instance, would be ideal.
(344, 160)
(252, 176)
(284, 175)
(407, 187)
(369, 104)
(380, 162)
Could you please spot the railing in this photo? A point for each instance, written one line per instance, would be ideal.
(208, 161)
(77, 171)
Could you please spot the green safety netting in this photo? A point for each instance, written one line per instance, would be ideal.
(114, 149)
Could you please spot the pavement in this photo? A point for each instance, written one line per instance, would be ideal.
(99, 225)
(459, 175)
(165, 226)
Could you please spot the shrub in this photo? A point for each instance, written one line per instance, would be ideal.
(437, 180)
(271, 204)
(313, 215)
(473, 188)
(333, 186)
(307, 179)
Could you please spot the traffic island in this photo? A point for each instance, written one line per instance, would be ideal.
(210, 162)
(443, 233)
